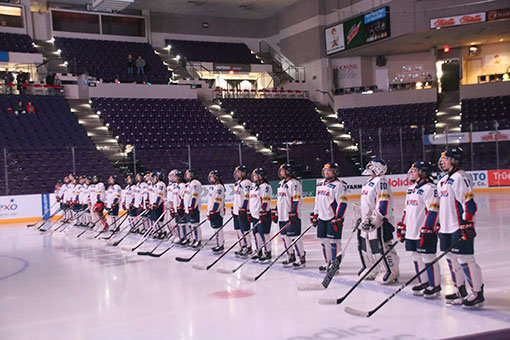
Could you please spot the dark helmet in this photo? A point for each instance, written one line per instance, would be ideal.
(193, 174)
(129, 179)
(455, 152)
(261, 173)
(333, 166)
(242, 169)
(140, 177)
(216, 175)
(425, 170)
(159, 175)
(291, 170)
(179, 175)
(115, 179)
(97, 178)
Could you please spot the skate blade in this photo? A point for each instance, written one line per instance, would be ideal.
(199, 267)
(225, 271)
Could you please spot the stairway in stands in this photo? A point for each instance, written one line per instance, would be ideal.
(171, 61)
(237, 129)
(102, 137)
(448, 115)
(52, 58)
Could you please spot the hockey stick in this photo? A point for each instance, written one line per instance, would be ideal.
(331, 271)
(118, 223)
(118, 229)
(145, 236)
(73, 221)
(232, 271)
(201, 267)
(173, 245)
(135, 224)
(338, 301)
(358, 312)
(42, 217)
(187, 259)
(54, 214)
(255, 278)
(163, 240)
(58, 220)
(90, 227)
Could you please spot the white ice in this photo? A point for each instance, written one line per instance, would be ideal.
(68, 288)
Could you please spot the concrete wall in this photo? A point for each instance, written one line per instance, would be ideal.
(385, 98)
(485, 90)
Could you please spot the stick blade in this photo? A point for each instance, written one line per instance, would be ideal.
(225, 271)
(310, 286)
(328, 301)
(199, 267)
(182, 259)
(249, 278)
(356, 312)
(127, 248)
(143, 253)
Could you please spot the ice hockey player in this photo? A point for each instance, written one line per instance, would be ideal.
(98, 204)
(456, 217)
(260, 214)
(418, 228)
(113, 196)
(128, 200)
(148, 193)
(288, 211)
(59, 192)
(67, 197)
(87, 196)
(170, 199)
(242, 188)
(376, 229)
(216, 207)
(76, 200)
(157, 204)
(179, 194)
(193, 202)
(328, 213)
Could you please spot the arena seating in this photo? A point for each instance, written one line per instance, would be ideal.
(163, 123)
(483, 112)
(39, 145)
(108, 59)
(410, 117)
(11, 42)
(215, 52)
(279, 120)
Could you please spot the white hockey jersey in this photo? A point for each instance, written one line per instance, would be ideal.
(84, 194)
(260, 199)
(377, 194)
(158, 193)
(59, 193)
(78, 188)
(241, 195)
(149, 192)
(69, 195)
(456, 201)
(92, 193)
(170, 199)
(421, 209)
(289, 198)
(179, 194)
(330, 200)
(128, 196)
(193, 195)
(139, 193)
(113, 195)
(100, 193)
(216, 199)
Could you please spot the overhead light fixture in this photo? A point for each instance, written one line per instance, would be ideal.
(446, 48)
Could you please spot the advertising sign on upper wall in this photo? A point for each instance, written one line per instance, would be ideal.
(458, 20)
(334, 39)
(499, 14)
(377, 25)
(354, 32)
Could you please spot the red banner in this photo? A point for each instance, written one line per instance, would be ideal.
(499, 178)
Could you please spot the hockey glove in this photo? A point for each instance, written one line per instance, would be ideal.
(243, 214)
(426, 235)
(401, 231)
(337, 224)
(248, 216)
(314, 219)
(468, 231)
(294, 219)
(274, 215)
(264, 216)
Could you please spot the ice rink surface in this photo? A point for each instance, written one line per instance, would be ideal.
(61, 287)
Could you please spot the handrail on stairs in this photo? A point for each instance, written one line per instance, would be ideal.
(331, 100)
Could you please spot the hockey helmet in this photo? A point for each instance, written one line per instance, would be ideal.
(289, 168)
(376, 167)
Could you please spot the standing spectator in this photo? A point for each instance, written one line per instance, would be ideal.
(9, 79)
(19, 81)
(19, 108)
(140, 65)
(30, 107)
(131, 64)
(50, 79)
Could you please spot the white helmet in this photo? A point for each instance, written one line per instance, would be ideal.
(376, 167)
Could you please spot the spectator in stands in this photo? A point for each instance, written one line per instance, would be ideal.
(50, 79)
(140, 65)
(57, 81)
(20, 108)
(9, 79)
(131, 64)
(30, 107)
